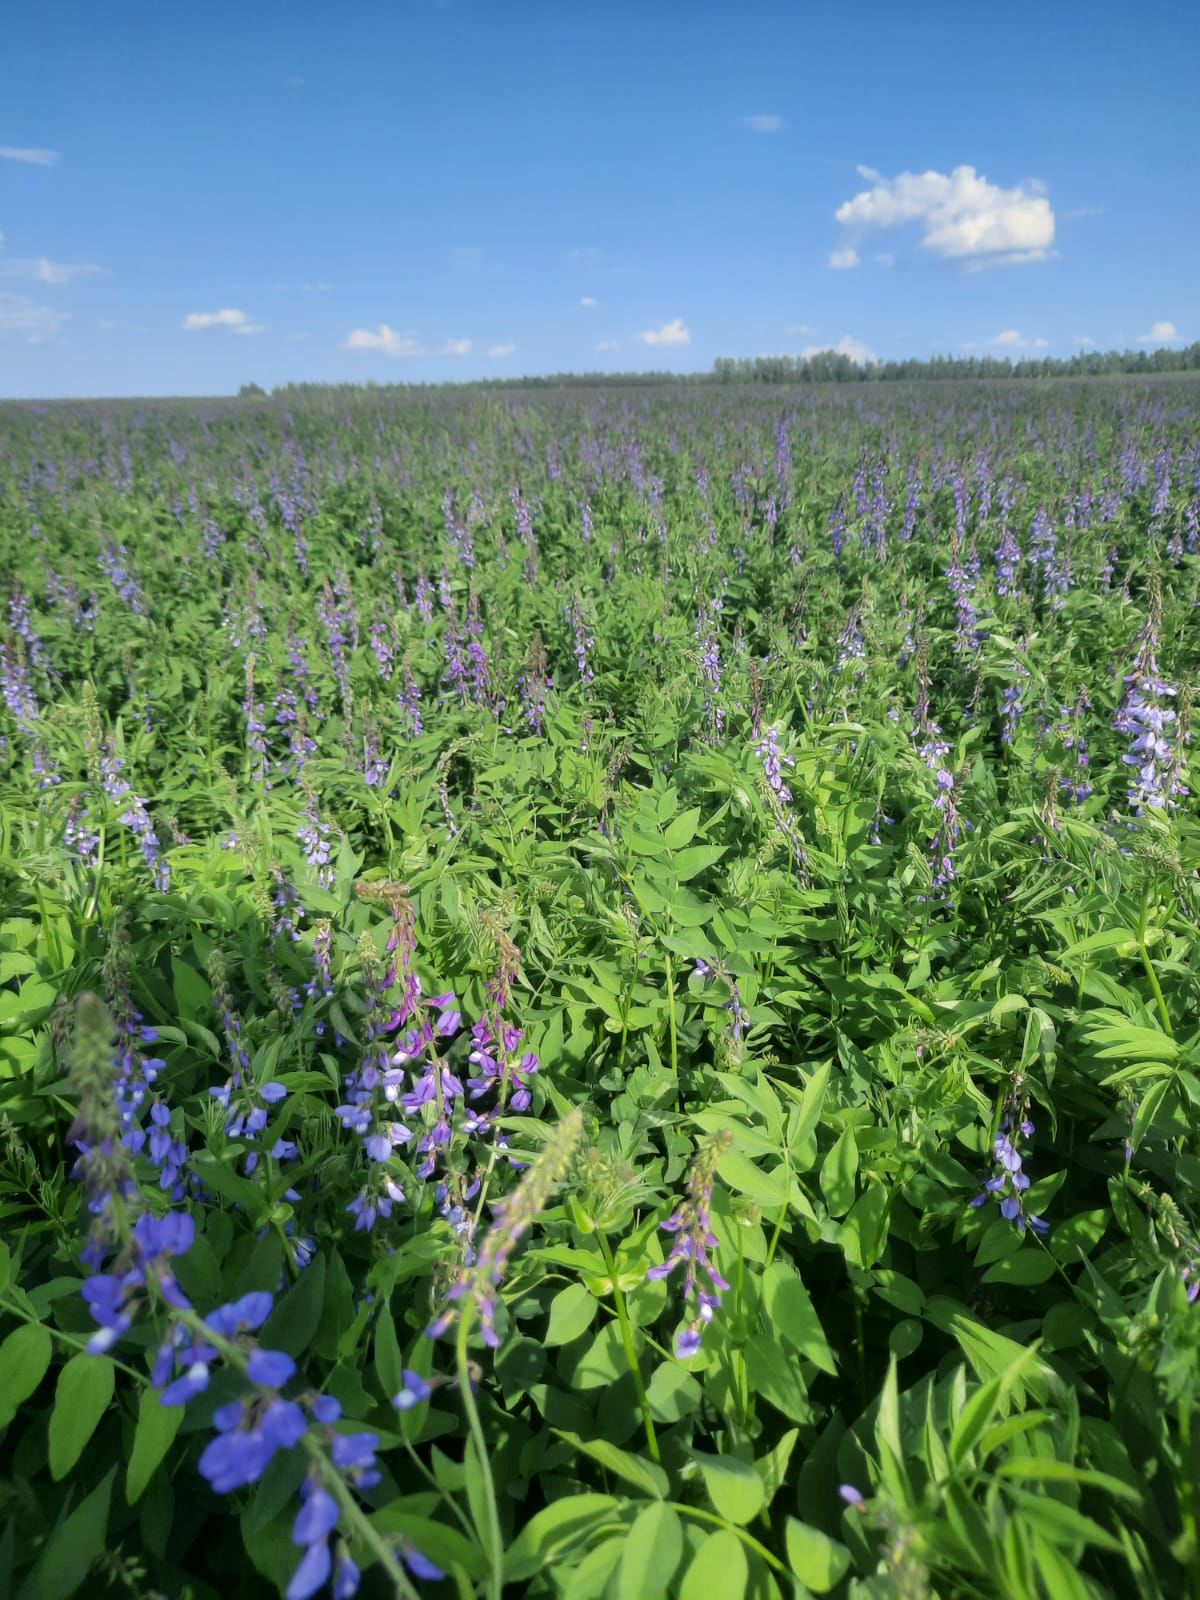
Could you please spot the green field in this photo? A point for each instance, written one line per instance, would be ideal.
(598, 993)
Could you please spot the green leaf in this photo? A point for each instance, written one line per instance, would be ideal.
(817, 1560)
(652, 1551)
(683, 830)
(792, 1316)
(74, 1545)
(572, 1312)
(388, 1363)
(293, 1324)
(719, 1569)
(24, 1358)
(734, 1487)
(672, 1393)
(837, 1174)
(556, 1529)
(85, 1388)
(811, 1103)
(156, 1428)
(644, 1475)
(689, 863)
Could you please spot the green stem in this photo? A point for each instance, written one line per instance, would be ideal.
(672, 1020)
(631, 1359)
(1149, 966)
(74, 1341)
(719, 1522)
(1189, 1495)
(493, 1540)
(1157, 987)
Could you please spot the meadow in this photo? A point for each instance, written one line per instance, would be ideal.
(598, 993)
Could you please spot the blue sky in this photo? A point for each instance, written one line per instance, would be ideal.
(194, 197)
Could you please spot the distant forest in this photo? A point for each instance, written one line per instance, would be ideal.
(830, 366)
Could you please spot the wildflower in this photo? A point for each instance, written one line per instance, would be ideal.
(694, 1238)
(1009, 1181)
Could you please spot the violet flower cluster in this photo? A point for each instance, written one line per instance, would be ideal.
(691, 1224)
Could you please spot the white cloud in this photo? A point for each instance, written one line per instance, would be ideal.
(963, 216)
(316, 288)
(588, 302)
(1086, 342)
(497, 352)
(843, 260)
(384, 339)
(1160, 333)
(456, 347)
(606, 345)
(40, 269)
(800, 327)
(33, 158)
(23, 317)
(64, 271)
(231, 320)
(1010, 339)
(674, 332)
(847, 345)
(1041, 344)
(763, 122)
(885, 259)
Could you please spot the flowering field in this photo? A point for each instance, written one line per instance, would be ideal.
(598, 994)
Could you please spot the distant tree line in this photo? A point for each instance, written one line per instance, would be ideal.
(822, 366)
(830, 366)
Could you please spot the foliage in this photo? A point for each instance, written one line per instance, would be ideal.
(598, 994)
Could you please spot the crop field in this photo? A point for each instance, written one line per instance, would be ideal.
(599, 993)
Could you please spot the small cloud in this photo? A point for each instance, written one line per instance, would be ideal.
(31, 157)
(842, 260)
(40, 269)
(763, 122)
(1041, 344)
(847, 345)
(1160, 333)
(606, 345)
(1009, 339)
(25, 319)
(456, 347)
(231, 320)
(885, 259)
(674, 332)
(106, 323)
(586, 252)
(1086, 342)
(800, 327)
(384, 339)
(316, 288)
(64, 271)
(963, 216)
(588, 302)
(497, 352)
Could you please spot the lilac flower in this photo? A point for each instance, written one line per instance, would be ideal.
(1147, 717)
(581, 628)
(1009, 1180)
(694, 1238)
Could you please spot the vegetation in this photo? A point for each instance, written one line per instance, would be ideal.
(598, 993)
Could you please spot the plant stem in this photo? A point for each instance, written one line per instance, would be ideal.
(631, 1359)
(493, 1540)
(720, 1522)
